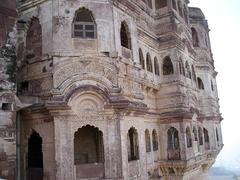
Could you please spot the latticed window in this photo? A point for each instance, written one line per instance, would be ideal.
(84, 25)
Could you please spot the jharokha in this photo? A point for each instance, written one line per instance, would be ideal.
(107, 89)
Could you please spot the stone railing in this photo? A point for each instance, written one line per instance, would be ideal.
(174, 154)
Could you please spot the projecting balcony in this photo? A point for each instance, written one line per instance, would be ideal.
(173, 154)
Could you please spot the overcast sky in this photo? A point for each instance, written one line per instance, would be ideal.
(224, 21)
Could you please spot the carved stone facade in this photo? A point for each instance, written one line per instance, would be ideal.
(122, 89)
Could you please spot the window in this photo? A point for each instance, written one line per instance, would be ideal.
(200, 137)
(180, 9)
(173, 139)
(195, 134)
(148, 2)
(154, 140)
(188, 70)
(125, 36)
(7, 106)
(167, 66)
(133, 148)
(189, 138)
(149, 63)
(174, 5)
(206, 139)
(147, 141)
(181, 68)
(200, 83)
(212, 87)
(141, 59)
(217, 135)
(195, 37)
(194, 74)
(185, 14)
(156, 66)
(161, 4)
(23, 87)
(84, 25)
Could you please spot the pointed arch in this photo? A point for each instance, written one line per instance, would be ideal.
(194, 74)
(188, 137)
(84, 25)
(173, 139)
(195, 38)
(125, 35)
(200, 83)
(147, 141)
(167, 66)
(154, 140)
(195, 133)
(217, 136)
(149, 63)
(174, 4)
(200, 136)
(133, 147)
(212, 86)
(188, 70)
(181, 68)
(206, 139)
(141, 58)
(156, 66)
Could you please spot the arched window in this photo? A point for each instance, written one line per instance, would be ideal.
(86, 139)
(147, 141)
(195, 37)
(174, 5)
(34, 41)
(180, 9)
(188, 73)
(167, 66)
(156, 66)
(181, 68)
(194, 74)
(160, 4)
(185, 14)
(189, 138)
(149, 63)
(154, 140)
(200, 137)
(141, 59)
(149, 3)
(212, 87)
(84, 25)
(200, 83)
(217, 135)
(125, 36)
(206, 138)
(195, 133)
(133, 148)
(173, 139)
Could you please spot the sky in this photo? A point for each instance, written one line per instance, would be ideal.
(224, 22)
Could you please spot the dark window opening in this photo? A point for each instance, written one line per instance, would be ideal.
(133, 147)
(141, 59)
(195, 134)
(155, 140)
(200, 136)
(156, 66)
(173, 139)
(7, 106)
(174, 5)
(160, 4)
(195, 37)
(200, 83)
(189, 138)
(149, 63)
(167, 66)
(125, 36)
(147, 141)
(206, 139)
(23, 87)
(188, 70)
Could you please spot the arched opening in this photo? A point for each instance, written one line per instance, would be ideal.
(133, 147)
(155, 140)
(200, 137)
(167, 66)
(35, 157)
(147, 141)
(149, 63)
(195, 134)
(194, 74)
(217, 135)
(125, 36)
(200, 83)
(173, 144)
(156, 66)
(189, 137)
(180, 9)
(195, 37)
(174, 5)
(206, 139)
(34, 41)
(141, 58)
(181, 68)
(188, 73)
(160, 4)
(89, 152)
(212, 87)
(84, 25)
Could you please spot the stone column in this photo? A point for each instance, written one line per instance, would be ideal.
(63, 149)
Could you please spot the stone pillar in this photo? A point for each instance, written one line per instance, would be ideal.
(64, 152)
